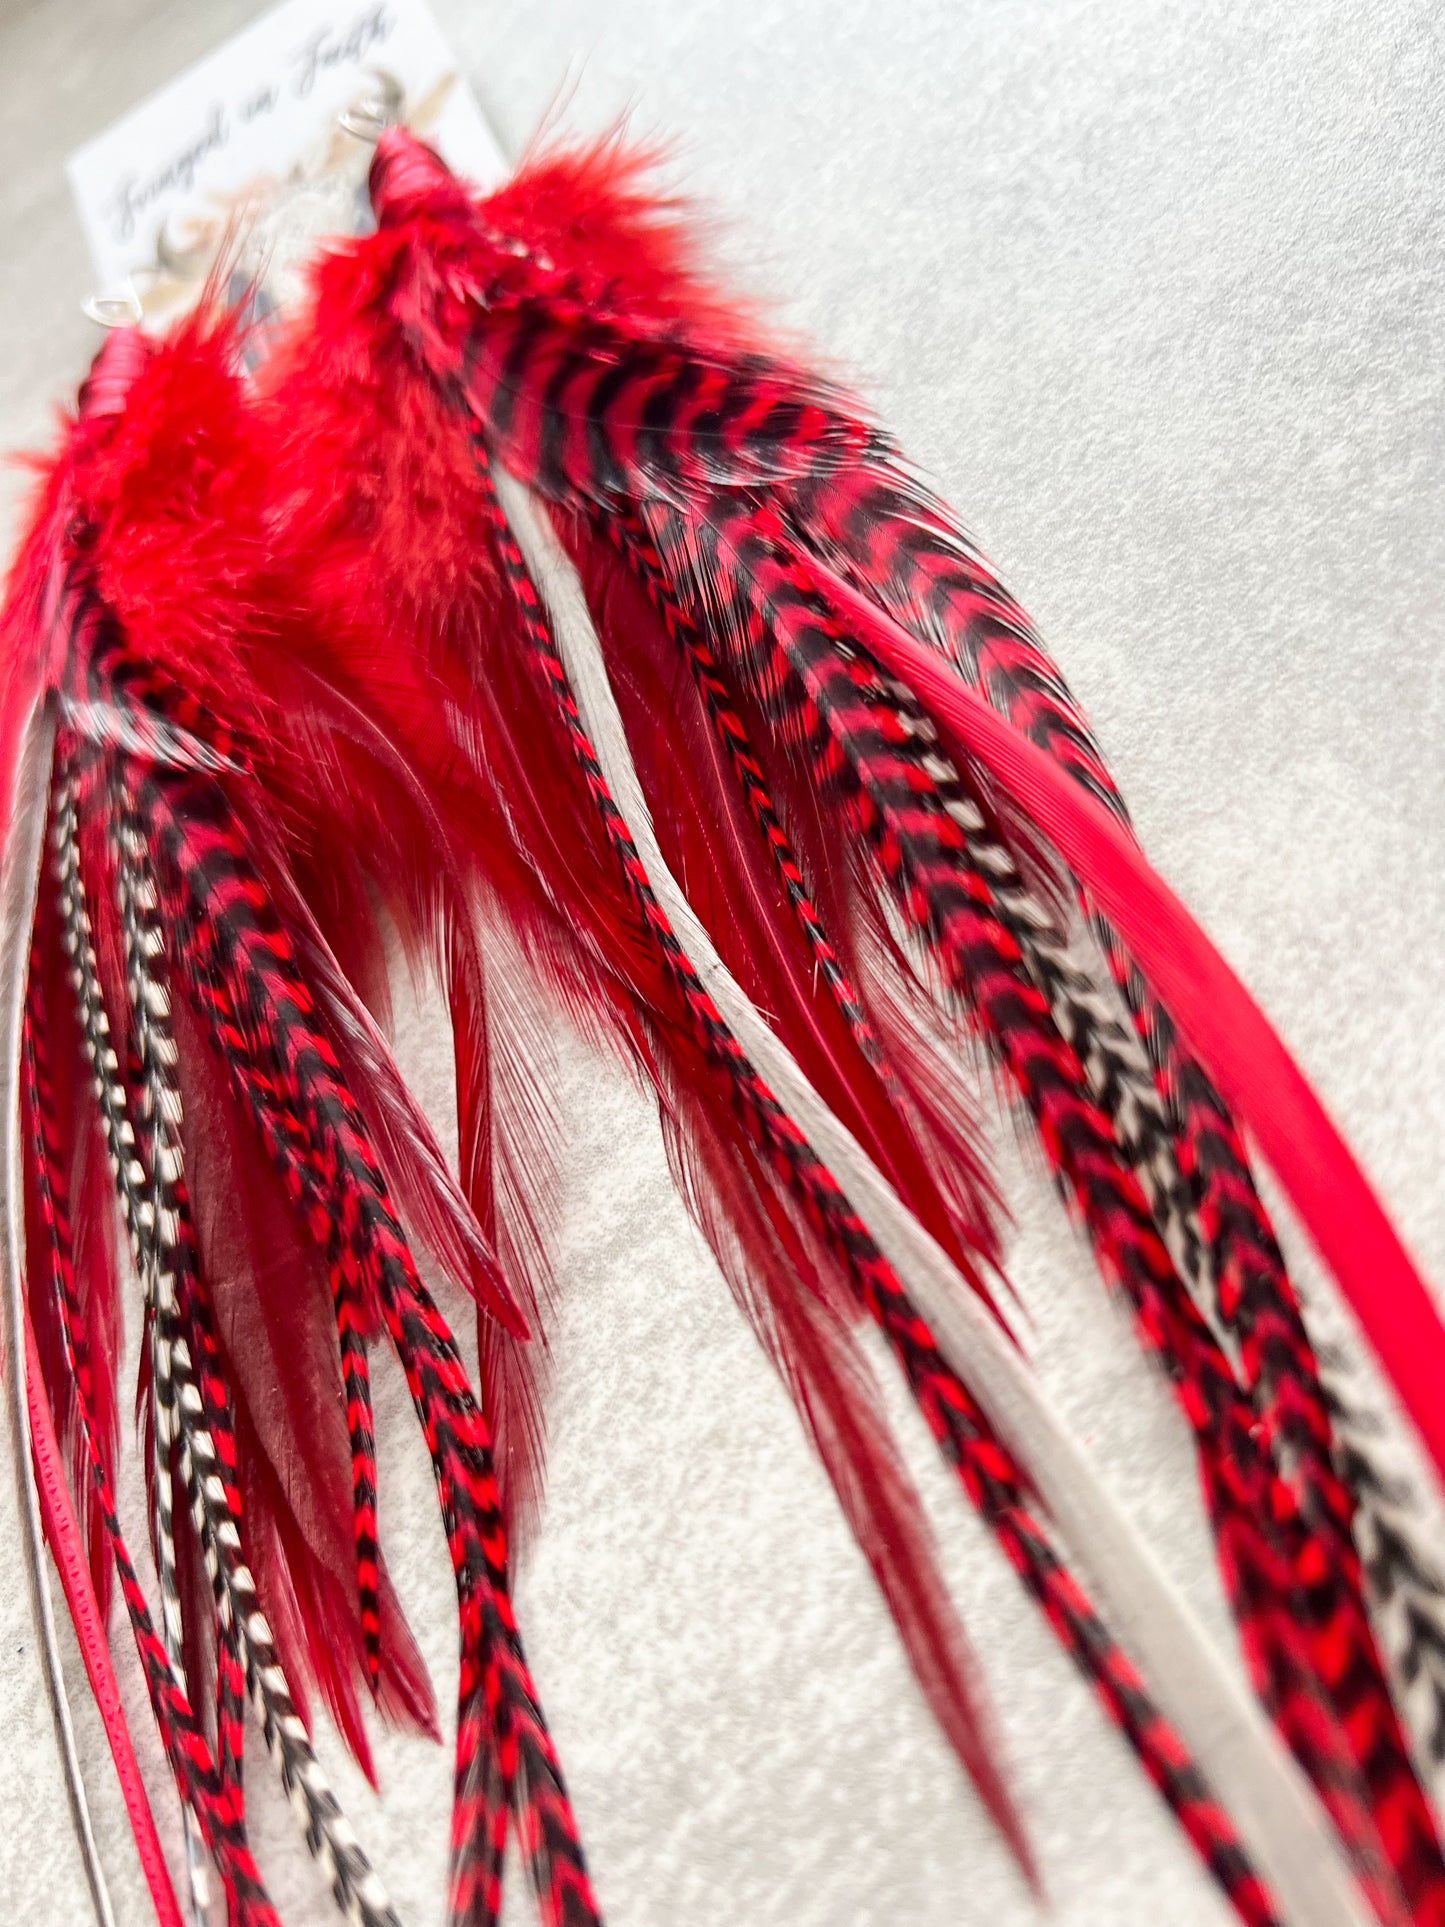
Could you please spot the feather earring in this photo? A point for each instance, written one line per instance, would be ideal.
(535, 604)
(179, 970)
(730, 514)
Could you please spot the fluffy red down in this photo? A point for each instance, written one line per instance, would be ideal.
(596, 212)
(169, 493)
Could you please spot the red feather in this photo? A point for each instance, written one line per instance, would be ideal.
(63, 1535)
(189, 782)
(310, 702)
(367, 455)
(356, 404)
(576, 343)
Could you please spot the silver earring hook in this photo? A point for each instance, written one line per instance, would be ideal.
(182, 264)
(379, 108)
(123, 310)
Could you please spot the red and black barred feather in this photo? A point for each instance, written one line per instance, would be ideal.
(310, 695)
(589, 913)
(430, 348)
(221, 1033)
(563, 323)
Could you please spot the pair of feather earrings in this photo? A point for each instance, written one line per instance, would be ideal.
(529, 605)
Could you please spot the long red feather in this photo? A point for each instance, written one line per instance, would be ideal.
(310, 695)
(366, 454)
(219, 1024)
(62, 1532)
(565, 318)
(374, 583)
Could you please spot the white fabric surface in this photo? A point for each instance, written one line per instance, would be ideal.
(1154, 291)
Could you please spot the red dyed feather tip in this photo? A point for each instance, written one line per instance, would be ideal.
(310, 653)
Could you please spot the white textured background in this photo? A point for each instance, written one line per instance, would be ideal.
(1154, 288)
